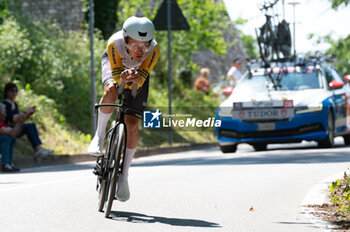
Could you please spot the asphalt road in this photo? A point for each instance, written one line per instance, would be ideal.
(202, 190)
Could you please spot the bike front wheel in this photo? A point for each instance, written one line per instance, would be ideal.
(266, 42)
(102, 190)
(118, 150)
(103, 178)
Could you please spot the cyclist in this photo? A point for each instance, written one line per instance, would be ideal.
(129, 58)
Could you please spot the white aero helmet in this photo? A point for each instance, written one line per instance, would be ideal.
(138, 28)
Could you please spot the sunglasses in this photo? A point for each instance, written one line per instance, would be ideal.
(136, 47)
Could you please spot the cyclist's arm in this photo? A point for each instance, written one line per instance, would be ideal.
(115, 61)
(148, 64)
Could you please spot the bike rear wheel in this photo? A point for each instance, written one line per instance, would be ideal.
(284, 38)
(118, 150)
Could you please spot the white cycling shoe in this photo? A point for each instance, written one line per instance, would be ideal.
(123, 193)
(95, 147)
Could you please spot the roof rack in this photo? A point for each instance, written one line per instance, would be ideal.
(301, 61)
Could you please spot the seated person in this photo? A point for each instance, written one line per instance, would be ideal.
(8, 140)
(202, 83)
(13, 114)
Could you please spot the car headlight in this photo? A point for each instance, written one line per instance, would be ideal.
(310, 108)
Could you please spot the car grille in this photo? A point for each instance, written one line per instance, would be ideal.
(274, 133)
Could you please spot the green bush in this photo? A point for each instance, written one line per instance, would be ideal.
(54, 62)
(14, 47)
(54, 132)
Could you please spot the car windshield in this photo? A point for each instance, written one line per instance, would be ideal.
(280, 82)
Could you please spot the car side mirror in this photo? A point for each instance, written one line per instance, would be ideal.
(347, 78)
(227, 90)
(336, 84)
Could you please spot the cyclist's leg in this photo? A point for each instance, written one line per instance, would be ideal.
(104, 113)
(132, 119)
(123, 192)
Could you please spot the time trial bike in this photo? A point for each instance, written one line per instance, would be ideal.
(110, 165)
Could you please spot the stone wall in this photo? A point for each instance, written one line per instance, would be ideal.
(68, 13)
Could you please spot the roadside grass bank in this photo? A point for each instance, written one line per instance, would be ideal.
(337, 211)
(65, 139)
(77, 144)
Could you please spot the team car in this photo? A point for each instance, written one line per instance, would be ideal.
(285, 103)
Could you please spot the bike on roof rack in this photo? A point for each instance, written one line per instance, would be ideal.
(274, 40)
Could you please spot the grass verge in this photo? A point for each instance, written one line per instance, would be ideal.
(337, 212)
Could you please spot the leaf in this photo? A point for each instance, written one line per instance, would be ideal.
(28, 87)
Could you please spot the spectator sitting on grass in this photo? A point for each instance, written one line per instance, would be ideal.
(202, 83)
(13, 115)
(8, 140)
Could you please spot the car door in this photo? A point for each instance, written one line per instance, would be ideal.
(339, 99)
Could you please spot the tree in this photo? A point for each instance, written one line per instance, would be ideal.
(206, 18)
(105, 16)
(249, 42)
(340, 49)
(3, 10)
(338, 3)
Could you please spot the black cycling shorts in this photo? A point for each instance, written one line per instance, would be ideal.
(136, 106)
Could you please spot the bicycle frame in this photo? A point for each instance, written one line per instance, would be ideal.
(118, 119)
(111, 165)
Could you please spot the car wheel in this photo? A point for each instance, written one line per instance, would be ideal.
(346, 139)
(228, 148)
(328, 142)
(260, 147)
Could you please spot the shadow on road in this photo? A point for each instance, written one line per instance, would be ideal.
(143, 218)
(307, 224)
(296, 223)
(271, 156)
(58, 168)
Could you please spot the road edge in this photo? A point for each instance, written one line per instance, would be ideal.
(30, 162)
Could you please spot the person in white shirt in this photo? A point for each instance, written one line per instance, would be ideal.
(234, 73)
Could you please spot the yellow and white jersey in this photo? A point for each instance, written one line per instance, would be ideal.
(119, 60)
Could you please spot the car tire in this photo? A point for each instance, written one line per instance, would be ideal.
(328, 142)
(260, 147)
(346, 139)
(228, 148)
